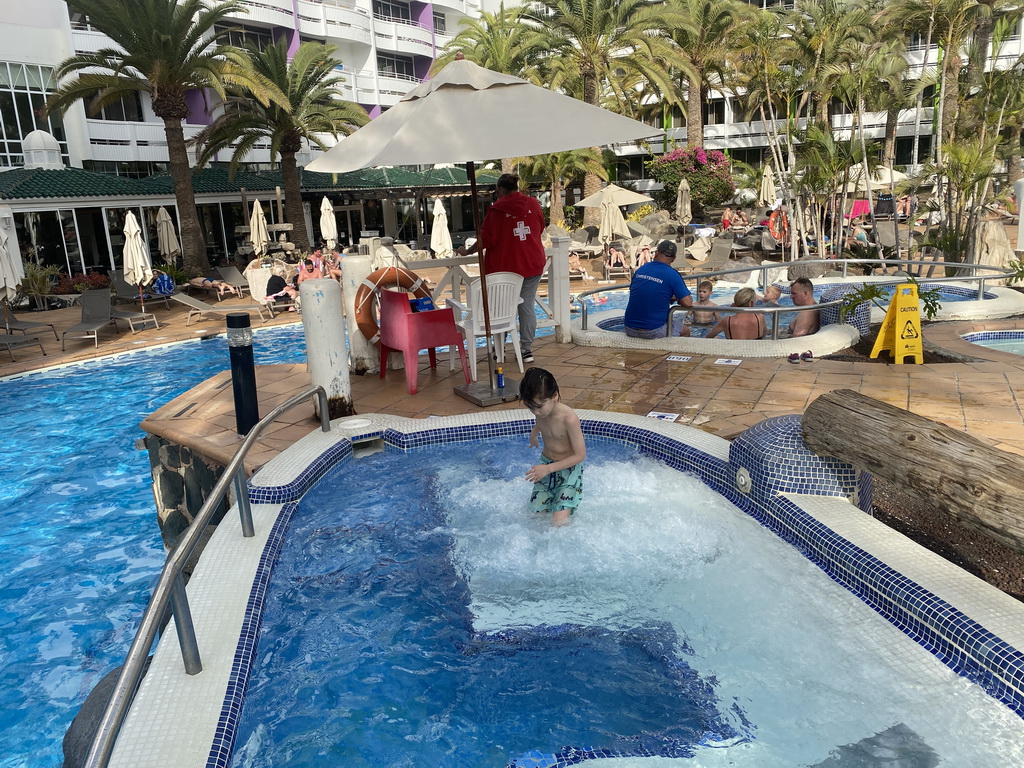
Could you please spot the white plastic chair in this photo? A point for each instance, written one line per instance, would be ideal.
(503, 301)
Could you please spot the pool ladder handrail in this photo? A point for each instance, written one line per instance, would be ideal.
(170, 587)
(577, 299)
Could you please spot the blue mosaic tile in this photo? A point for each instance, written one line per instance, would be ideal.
(779, 462)
(774, 454)
(977, 336)
(859, 318)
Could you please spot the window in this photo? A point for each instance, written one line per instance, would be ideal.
(714, 112)
(391, 10)
(130, 169)
(631, 167)
(238, 36)
(127, 109)
(24, 89)
(440, 27)
(393, 65)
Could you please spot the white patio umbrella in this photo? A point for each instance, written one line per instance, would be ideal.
(137, 268)
(258, 229)
(616, 194)
(612, 224)
(440, 237)
(766, 194)
(328, 224)
(467, 113)
(684, 214)
(11, 269)
(167, 239)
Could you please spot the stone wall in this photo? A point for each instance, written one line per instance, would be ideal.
(182, 479)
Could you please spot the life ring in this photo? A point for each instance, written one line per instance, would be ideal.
(778, 225)
(369, 288)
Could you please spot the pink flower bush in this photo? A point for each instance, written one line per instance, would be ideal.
(707, 172)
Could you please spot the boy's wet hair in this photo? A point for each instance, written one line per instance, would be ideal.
(537, 386)
(706, 284)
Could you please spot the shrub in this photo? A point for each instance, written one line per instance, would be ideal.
(707, 172)
(79, 283)
(644, 210)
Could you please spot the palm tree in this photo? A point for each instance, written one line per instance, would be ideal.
(498, 41)
(703, 31)
(312, 109)
(594, 38)
(871, 67)
(165, 48)
(559, 168)
(953, 22)
(823, 31)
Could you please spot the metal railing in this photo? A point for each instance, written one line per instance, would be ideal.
(170, 587)
(762, 281)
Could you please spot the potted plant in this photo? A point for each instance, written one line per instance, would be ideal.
(36, 282)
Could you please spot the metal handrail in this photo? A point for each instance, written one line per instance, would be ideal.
(170, 587)
(1003, 273)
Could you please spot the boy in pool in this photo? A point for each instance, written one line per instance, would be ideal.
(558, 479)
(771, 297)
(704, 300)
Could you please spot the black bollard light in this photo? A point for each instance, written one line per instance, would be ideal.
(243, 372)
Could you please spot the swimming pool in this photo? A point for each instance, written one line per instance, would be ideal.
(464, 631)
(79, 545)
(651, 570)
(1002, 341)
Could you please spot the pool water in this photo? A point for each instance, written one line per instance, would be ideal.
(1002, 341)
(420, 616)
(79, 545)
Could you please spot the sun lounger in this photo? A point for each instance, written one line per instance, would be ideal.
(123, 291)
(11, 323)
(233, 277)
(95, 315)
(197, 307)
(9, 343)
(721, 250)
(133, 318)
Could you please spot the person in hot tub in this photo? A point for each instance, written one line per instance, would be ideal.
(651, 291)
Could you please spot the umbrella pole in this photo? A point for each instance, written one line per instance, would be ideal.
(478, 392)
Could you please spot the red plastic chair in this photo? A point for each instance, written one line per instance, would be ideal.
(405, 331)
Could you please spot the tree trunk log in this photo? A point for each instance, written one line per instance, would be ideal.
(976, 484)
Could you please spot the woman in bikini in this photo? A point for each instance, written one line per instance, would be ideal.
(741, 325)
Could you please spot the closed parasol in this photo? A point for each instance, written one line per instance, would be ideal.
(258, 229)
(166, 238)
(440, 237)
(328, 224)
(137, 268)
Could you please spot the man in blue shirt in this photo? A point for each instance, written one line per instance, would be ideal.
(652, 290)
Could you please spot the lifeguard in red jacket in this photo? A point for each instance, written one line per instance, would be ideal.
(511, 239)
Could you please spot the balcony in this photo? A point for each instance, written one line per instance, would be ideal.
(335, 20)
(403, 37)
(277, 13)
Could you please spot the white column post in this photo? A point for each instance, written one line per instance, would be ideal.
(326, 353)
(558, 288)
(363, 354)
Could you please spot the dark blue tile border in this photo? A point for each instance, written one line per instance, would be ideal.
(784, 465)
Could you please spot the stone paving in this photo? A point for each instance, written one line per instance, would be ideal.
(981, 397)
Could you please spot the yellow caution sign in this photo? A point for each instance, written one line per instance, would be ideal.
(901, 330)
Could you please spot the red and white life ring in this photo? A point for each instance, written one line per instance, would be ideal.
(373, 284)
